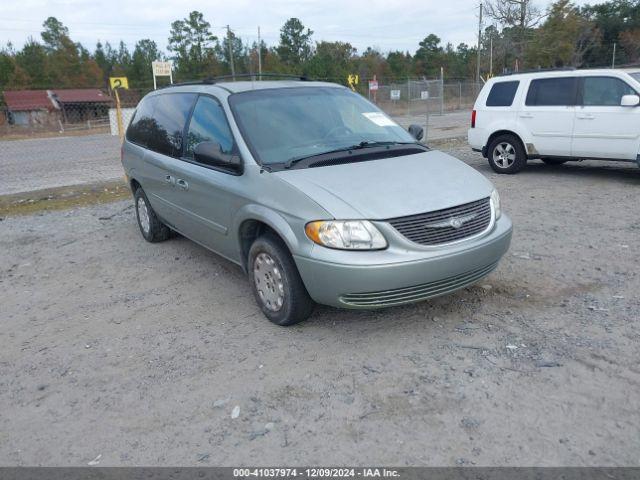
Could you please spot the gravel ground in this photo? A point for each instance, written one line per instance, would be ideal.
(140, 353)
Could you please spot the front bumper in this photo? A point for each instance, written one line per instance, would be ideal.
(386, 281)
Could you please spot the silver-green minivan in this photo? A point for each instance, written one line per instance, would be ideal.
(316, 193)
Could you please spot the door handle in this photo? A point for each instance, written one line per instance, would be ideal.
(526, 115)
(182, 184)
(169, 179)
(586, 116)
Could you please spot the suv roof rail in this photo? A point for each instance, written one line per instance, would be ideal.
(213, 80)
(536, 70)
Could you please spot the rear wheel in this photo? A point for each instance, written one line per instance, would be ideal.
(276, 283)
(152, 229)
(554, 161)
(506, 154)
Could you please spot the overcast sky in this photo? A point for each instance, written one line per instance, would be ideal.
(385, 24)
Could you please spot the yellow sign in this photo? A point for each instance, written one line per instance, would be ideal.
(353, 80)
(119, 82)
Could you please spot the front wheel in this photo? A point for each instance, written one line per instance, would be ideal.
(506, 154)
(276, 283)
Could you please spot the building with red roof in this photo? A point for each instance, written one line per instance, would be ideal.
(29, 107)
(41, 107)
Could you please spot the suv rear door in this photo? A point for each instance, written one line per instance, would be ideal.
(548, 114)
(603, 128)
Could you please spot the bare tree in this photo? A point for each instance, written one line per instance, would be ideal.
(519, 14)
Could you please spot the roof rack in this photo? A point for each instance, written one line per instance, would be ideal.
(213, 80)
(536, 70)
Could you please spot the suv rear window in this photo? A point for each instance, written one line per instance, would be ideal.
(552, 92)
(502, 94)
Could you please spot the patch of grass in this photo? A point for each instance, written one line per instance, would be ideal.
(63, 198)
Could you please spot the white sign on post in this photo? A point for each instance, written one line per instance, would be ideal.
(373, 85)
(161, 69)
(424, 95)
(395, 94)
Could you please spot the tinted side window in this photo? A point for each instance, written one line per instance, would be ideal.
(209, 124)
(169, 118)
(604, 91)
(142, 122)
(502, 94)
(552, 92)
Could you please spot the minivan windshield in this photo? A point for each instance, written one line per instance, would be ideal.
(636, 76)
(291, 123)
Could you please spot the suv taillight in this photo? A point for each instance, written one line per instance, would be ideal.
(473, 119)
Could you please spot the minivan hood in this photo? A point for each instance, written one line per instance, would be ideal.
(391, 187)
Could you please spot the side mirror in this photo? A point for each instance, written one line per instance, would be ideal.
(416, 131)
(630, 101)
(210, 153)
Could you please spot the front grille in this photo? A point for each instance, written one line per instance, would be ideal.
(445, 226)
(416, 293)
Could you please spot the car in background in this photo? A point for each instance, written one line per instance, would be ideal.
(557, 116)
(316, 193)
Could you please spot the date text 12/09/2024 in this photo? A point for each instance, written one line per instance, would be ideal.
(315, 472)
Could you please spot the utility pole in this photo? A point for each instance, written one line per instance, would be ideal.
(491, 54)
(613, 60)
(479, 41)
(229, 40)
(259, 55)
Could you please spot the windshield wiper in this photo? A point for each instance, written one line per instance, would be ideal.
(359, 146)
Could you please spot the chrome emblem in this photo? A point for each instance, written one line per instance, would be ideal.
(455, 222)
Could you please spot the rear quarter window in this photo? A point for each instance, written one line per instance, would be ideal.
(502, 94)
(142, 122)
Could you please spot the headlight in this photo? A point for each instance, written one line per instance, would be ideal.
(346, 234)
(495, 201)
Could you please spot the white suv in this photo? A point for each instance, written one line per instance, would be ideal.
(557, 116)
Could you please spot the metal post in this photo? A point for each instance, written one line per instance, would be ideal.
(259, 55)
(613, 60)
(233, 70)
(408, 97)
(479, 41)
(441, 90)
(459, 95)
(119, 116)
(491, 55)
(426, 126)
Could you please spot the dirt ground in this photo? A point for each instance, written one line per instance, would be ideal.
(127, 353)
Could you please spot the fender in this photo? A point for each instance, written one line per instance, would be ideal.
(274, 220)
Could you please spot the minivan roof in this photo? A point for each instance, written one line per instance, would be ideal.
(244, 86)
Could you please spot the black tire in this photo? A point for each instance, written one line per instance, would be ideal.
(554, 161)
(267, 279)
(506, 154)
(151, 228)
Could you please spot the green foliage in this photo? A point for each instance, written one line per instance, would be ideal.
(563, 38)
(193, 46)
(568, 35)
(295, 44)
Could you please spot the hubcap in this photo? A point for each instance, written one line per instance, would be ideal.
(143, 215)
(504, 155)
(268, 280)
